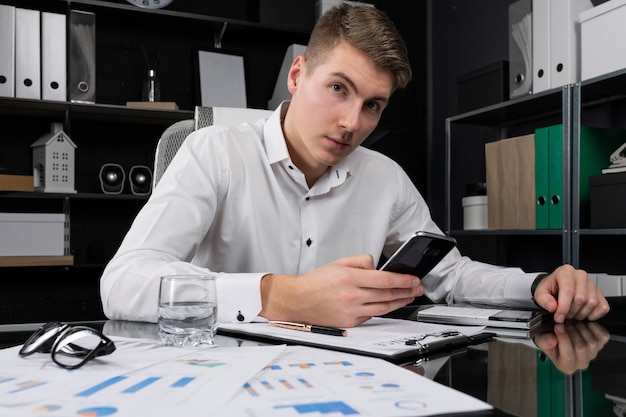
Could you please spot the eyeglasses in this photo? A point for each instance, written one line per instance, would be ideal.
(70, 346)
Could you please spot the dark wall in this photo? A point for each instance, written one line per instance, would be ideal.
(403, 123)
(464, 36)
(405, 118)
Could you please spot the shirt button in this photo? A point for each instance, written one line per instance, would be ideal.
(308, 242)
(240, 316)
(307, 198)
(290, 166)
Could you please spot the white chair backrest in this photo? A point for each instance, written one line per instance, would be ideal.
(175, 135)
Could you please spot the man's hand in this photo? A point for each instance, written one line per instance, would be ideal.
(570, 294)
(344, 293)
(573, 345)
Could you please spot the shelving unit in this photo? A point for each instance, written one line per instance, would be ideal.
(600, 102)
(110, 132)
(466, 136)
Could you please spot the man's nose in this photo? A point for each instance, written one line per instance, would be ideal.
(351, 117)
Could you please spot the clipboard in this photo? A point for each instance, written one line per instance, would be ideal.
(394, 340)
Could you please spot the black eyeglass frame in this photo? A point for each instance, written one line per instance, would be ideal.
(54, 333)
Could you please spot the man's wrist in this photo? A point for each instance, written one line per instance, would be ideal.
(535, 284)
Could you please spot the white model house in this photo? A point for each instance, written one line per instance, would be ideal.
(54, 162)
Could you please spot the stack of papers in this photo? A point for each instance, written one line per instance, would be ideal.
(143, 378)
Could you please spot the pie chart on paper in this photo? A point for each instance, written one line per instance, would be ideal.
(46, 409)
(97, 411)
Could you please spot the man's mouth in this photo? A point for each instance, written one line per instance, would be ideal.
(337, 143)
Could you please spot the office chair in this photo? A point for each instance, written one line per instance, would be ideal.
(175, 135)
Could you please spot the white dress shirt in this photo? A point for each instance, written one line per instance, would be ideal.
(233, 203)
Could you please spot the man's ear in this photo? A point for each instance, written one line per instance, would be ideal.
(295, 72)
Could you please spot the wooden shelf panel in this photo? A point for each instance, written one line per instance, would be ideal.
(67, 260)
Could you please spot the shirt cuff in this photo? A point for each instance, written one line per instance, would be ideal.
(238, 297)
(517, 290)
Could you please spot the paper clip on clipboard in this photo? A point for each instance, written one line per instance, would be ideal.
(447, 340)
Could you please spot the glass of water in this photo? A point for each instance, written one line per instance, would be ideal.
(187, 310)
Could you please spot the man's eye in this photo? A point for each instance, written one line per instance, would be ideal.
(372, 106)
(337, 88)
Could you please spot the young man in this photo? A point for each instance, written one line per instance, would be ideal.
(292, 214)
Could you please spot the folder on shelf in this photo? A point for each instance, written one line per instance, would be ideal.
(564, 40)
(541, 179)
(494, 185)
(526, 182)
(549, 177)
(53, 57)
(595, 147)
(555, 177)
(555, 42)
(520, 48)
(7, 51)
(81, 86)
(27, 54)
(508, 194)
(541, 45)
(511, 183)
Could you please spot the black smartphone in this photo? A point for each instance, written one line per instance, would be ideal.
(419, 255)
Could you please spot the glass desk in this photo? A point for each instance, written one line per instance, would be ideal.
(580, 370)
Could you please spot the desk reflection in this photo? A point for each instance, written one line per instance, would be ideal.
(571, 346)
(573, 369)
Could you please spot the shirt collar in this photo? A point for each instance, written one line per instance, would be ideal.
(276, 148)
(275, 143)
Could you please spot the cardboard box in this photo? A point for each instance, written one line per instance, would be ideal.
(608, 198)
(17, 183)
(602, 38)
(32, 234)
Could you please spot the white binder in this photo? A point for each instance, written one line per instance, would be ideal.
(27, 54)
(565, 40)
(53, 57)
(541, 45)
(7, 51)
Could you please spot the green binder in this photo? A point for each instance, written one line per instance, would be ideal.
(550, 388)
(555, 179)
(541, 178)
(596, 146)
(549, 177)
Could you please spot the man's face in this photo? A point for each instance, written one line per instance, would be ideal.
(334, 107)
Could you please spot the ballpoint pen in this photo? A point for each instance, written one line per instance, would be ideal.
(332, 331)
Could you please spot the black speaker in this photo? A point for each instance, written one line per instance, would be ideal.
(140, 178)
(112, 178)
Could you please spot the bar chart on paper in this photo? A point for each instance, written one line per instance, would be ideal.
(316, 382)
(138, 379)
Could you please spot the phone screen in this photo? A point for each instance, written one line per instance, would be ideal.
(419, 255)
